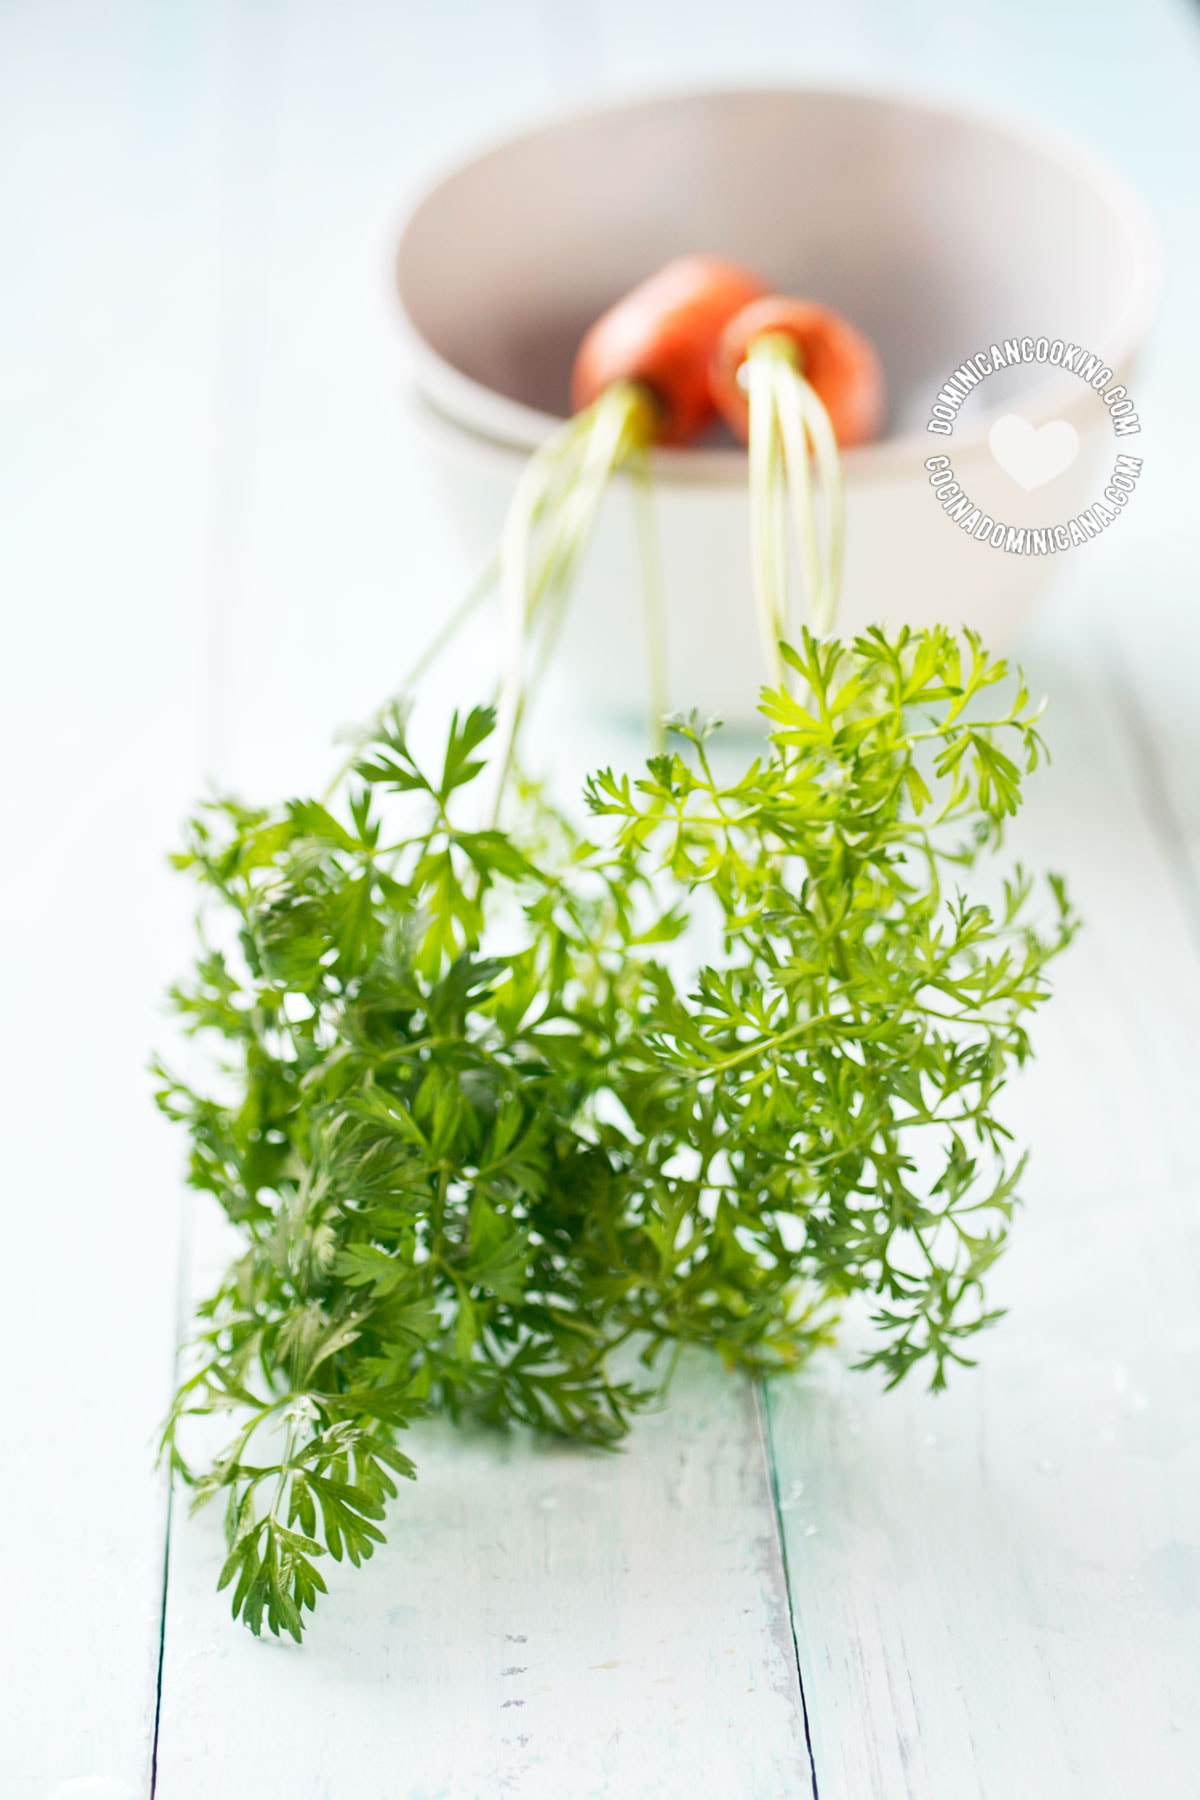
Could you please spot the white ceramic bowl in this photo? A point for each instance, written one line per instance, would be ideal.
(938, 232)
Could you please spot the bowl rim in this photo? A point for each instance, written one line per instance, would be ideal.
(492, 418)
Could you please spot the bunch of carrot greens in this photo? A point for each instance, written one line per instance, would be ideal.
(476, 1136)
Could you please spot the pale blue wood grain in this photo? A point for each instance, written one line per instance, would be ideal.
(105, 315)
(544, 1621)
(995, 1590)
(221, 546)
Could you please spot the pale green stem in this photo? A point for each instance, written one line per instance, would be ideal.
(793, 430)
(617, 435)
(829, 464)
(765, 533)
(478, 591)
(559, 493)
(285, 1469)
(483, 584)
(788, 426)
(655, 599)
(606, 446)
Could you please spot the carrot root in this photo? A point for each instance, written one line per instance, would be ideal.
(663, 334)
(478, 591)
(833, 356)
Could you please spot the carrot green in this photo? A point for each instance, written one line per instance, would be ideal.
(479, 1119)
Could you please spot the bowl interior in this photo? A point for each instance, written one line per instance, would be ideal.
(934, 231)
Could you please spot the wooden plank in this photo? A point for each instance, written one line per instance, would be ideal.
(544, 1621)
(995, 1590)
(105, 121)
(1024, 1618)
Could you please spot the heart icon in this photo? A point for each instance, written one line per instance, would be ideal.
(1033, 456)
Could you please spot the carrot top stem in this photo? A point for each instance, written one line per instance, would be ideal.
(478, 591)
(789, 431)
(767, 546)
(654, 597)
(549, 523)
(796, 391)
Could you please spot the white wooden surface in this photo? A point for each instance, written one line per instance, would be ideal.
(543, 1621)
(217, 547)
(104, 329)
(997, 1591)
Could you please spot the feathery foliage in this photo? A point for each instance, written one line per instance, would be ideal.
(478, 1125)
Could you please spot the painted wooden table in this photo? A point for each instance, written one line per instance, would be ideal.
(217, 541)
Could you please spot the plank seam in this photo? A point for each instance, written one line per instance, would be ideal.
(162, 1638)
(762, 1405)
(182, 1315)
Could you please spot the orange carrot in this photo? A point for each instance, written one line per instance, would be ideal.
(640, 378)
(662, 335)
(836, 360)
